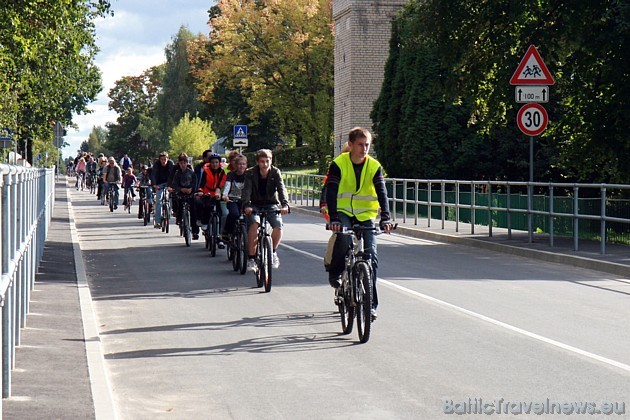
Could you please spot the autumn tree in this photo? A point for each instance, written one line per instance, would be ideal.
(133, 97)
(279, 54)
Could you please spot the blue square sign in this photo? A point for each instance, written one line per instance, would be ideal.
(240, 131)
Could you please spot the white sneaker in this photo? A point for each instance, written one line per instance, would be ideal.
(251, 266)
(275, 261)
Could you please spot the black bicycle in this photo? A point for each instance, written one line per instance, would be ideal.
(144, 203)
(185, 228)
(354, 297)
(91, 182)
(237, 246)
(212, 231)
(165, 209)
(111, 197)
(264, 250)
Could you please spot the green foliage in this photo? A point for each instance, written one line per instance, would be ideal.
(47, 69)
(446, 108)
(191, 136)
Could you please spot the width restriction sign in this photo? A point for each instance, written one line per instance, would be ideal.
(532, 119)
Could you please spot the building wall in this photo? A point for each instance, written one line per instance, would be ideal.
(362, 34)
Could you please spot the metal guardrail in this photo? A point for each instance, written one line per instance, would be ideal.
(405, 194)
(27, 197)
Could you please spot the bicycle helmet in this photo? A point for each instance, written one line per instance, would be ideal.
(214, 156)
(145, 167)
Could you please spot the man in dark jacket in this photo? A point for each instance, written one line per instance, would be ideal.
(264, 190)
(184, 183)
(161, 174)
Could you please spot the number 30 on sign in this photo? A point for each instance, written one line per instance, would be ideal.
(532, 119)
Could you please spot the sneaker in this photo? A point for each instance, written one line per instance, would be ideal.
(338, 296)
(157, 226)
(335, 281)
(220, 244)
(115, 207)
(195, 236)
(140, 216)
(275, 261)
(373, 314)
(251, 266)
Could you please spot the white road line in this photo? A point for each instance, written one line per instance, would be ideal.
(493, 321)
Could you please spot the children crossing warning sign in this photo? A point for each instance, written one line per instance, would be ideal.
(532, 70)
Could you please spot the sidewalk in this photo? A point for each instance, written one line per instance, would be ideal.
(51, 379)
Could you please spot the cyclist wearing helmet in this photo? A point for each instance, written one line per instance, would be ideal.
(209, 191)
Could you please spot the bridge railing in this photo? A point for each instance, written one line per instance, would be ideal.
(26, 206)
(577, 210)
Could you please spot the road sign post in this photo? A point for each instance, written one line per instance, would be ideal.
(532, 79)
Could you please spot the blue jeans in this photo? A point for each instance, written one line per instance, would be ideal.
(158, 202)
(337, 263)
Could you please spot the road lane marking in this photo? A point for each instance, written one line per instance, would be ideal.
(485, 318)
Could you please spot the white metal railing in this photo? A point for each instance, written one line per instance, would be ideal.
(304, 189)
(27, 197)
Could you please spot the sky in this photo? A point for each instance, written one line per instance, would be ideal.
(130, 42)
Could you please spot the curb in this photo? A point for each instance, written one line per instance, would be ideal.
(553, 257)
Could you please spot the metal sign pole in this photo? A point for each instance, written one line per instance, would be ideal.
(530, 191)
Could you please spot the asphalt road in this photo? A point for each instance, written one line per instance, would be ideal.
(185, 337)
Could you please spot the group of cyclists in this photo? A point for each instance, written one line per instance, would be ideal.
(354, 194)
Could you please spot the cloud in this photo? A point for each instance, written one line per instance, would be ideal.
(130, 42)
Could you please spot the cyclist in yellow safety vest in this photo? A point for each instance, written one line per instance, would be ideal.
(355, 190)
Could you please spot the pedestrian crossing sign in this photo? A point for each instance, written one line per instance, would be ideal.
(240, 136)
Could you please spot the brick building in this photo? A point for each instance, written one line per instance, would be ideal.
(362, 34)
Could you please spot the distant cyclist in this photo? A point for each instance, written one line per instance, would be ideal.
(125, 163)
(160, 176)
(232, 193)
(264, 190)
(112, 176)
(146, 192)
(184, 182)
(209, 191)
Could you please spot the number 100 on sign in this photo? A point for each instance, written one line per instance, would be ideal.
(532, 119)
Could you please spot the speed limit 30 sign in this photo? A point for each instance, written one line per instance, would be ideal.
(532, 119)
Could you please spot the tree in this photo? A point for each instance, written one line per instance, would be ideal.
(178, 94)
(477, 47)
(289, 65)
(191, 136)
(47, 69)
(132, 97)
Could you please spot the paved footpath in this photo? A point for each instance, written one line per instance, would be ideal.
(59, 366)
(50, 379)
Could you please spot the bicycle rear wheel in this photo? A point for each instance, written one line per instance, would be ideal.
(363, 278)
(267, 255)
(346, 309)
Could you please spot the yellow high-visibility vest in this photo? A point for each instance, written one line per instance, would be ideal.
(361, 203)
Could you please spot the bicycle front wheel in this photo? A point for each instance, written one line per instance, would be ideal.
(363, 293)
(214, 234)
(242, 248)
(186, 224)
(267, 253)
